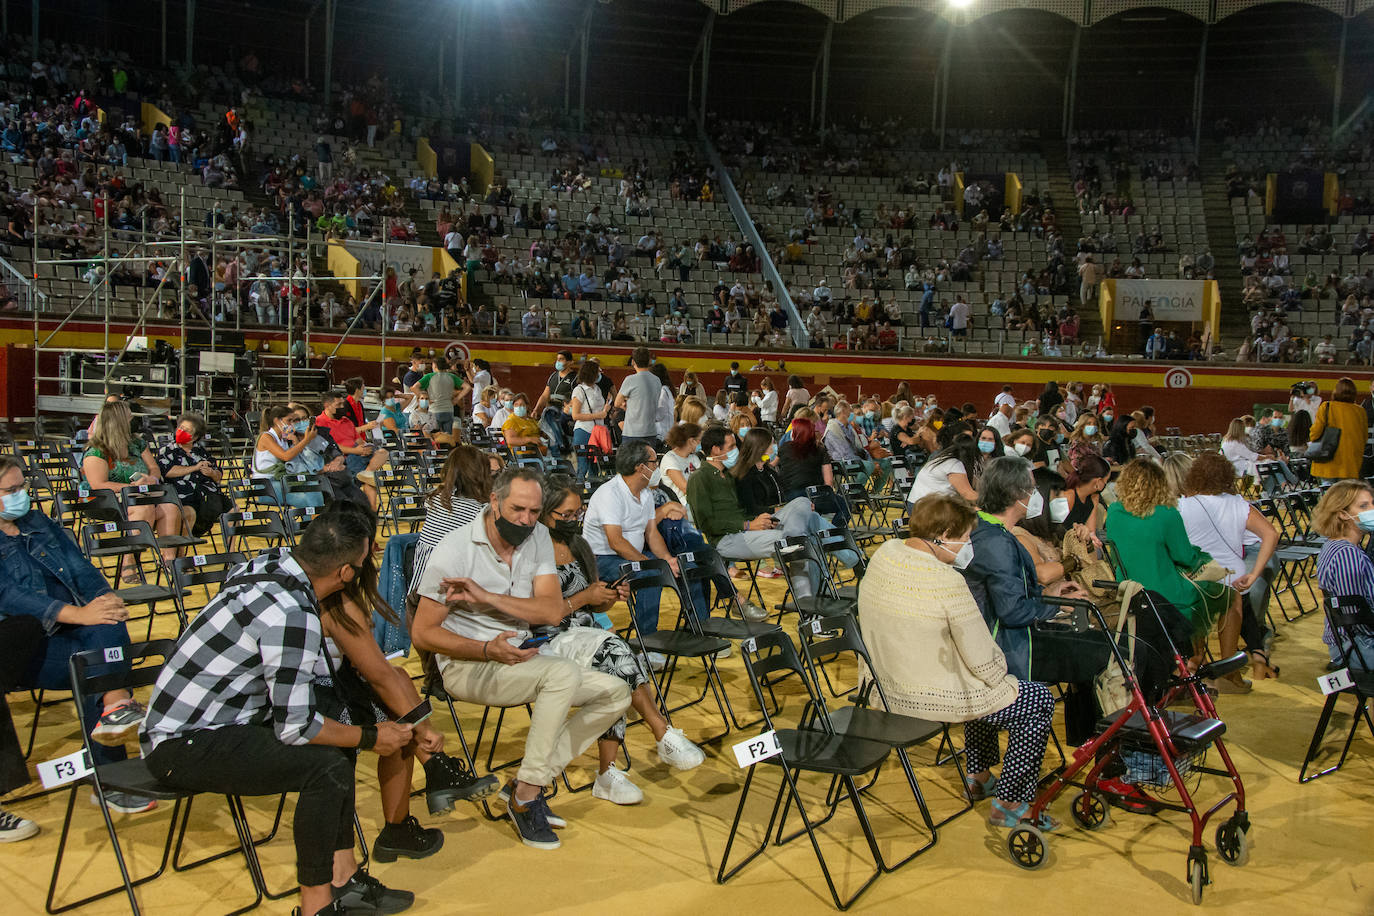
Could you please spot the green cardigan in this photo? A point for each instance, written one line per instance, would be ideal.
(1155, 552)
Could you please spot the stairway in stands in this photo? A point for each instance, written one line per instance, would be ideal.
(1221, 234)
(1055, 151)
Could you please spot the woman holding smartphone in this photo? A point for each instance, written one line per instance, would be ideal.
(585, 637)
(359, 683)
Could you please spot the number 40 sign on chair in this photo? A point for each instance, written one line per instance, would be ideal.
(752, 751)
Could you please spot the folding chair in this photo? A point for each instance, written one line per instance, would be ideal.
(302, 485)
(834, 636)
(408, 509)
(295, 518)
(266, 526)
(203, 571)
(685, 641)
(802, 550)
(105, 540)
(132, 776)
(821, 750)
(152, 495)
(1346, 615)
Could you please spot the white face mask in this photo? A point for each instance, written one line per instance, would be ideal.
(1059, 510)
(655, 477)
(963, 556)
(1035, 505)
(1023, 448)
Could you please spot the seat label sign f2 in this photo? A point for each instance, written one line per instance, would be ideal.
(1336, 680)
(752, 751)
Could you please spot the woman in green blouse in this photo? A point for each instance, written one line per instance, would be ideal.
(115, 459)
(1155, 552)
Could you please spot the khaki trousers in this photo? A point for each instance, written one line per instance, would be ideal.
(552, 686)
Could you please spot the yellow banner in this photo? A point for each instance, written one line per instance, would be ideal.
(425, 155)
(343, 264)
(481, 170)
(150, 117)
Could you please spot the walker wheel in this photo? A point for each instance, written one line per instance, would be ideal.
(1197, 876)
(1090, 810)
(1233, 843)
(1027, 846)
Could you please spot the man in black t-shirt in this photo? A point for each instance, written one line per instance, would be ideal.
(734, 382)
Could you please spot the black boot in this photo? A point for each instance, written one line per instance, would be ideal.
(448, 779)
(407, 839)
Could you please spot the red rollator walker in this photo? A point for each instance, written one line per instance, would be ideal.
(1174, 740)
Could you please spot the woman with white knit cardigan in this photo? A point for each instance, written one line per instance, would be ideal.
(936, 660)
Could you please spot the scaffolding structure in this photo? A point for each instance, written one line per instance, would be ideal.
(175, 252)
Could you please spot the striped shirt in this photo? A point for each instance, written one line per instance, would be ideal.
(247, 659)
(1343, 569)
(439, 522)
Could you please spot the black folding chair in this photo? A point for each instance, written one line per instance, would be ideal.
(259, 525)
(407, 510)
(801, 552)
(295, 518)
(684, 641)
(831, 637)
(821, 750)
(91, 675)
(201, 571)
(1348, 616)
(152, 495)
(123, 539)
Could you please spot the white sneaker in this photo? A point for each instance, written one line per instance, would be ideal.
(723, 653)
(677, 751)
(615, 787)
(14, 828)
(658, 661)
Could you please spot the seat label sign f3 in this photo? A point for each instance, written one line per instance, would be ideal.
(63, 770)
(752, 751)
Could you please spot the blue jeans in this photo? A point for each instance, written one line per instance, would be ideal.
(580, 439)
(552, 423)
(445, 421)
(646, 599)
(49, 670)
(296, 500)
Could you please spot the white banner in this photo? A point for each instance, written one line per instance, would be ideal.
(401, 257)
(1169, 300)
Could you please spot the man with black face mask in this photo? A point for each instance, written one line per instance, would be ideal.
(485, 586)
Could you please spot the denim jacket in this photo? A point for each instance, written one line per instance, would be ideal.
(44, 570)
(1003, 582)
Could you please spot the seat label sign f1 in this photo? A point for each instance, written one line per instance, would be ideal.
(1335, 681)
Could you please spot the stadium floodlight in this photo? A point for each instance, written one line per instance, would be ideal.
(960, 4)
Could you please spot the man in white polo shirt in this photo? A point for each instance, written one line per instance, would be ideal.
(485, 585)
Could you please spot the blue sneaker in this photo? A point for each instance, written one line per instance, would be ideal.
(532, 823)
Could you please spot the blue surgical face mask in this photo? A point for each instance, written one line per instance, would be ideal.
(1090, 430)
(558, 365)
(1364, 521)
(15, 505)
(393, 403)
(986, 447)
(301, 426)
(508, 404)
(731, 458)
(521, 410)
(743, 430)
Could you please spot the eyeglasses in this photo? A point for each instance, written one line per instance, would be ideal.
(566, 516)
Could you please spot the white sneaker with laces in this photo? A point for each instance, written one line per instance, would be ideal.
(615, 787)
(14, 828)
(677, 751)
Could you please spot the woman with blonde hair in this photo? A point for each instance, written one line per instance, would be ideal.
(1343, 515)
(692, 410)
(1152, 542)
(116, 459)
(1086, 438)
(1235, 445)
(1176, 466)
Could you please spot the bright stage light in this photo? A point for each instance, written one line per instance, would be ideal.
(960, 4)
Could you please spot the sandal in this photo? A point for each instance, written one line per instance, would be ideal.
(980, 791)
(130, 576)
(1261, 667)
(1004, 815)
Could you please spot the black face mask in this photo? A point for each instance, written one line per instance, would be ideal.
(1047, 435)
(565, 529)
(512, 533)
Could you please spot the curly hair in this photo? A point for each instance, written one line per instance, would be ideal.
(1210, 474)
(1142, 486)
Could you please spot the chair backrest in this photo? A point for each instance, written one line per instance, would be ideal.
(144, 494)
(98, 671)
(207, 569)
(803, 549)
(302, 483)
(1349, 615)
(296, 518)
(407, 509)
(770, 654)
(823, 638)
(705, 565)
(266, 524)
(652, 573)
(110, 539)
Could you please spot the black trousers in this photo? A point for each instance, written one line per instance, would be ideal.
(249, 760)
(20, 638)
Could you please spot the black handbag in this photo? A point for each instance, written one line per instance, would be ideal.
(1324, 449)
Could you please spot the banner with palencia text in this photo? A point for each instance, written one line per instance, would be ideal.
(1169, 300)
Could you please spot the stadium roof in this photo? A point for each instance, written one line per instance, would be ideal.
(1081, 12)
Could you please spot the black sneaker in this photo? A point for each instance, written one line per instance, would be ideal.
(407, 839)
(365, 894)
(532, 823)
(448, 779)
(334, 909)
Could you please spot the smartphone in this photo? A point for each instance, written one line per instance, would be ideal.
(534, 642)
(417, 715)
(618, 582)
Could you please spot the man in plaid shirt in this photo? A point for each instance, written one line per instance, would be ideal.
(233, 711)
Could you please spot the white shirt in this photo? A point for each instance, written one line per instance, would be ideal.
(1241, 456)
(614, 504)
(767, 404)
(1000, 422)
(591, 401)
(1216, 524)
(467, 552)
(958, 316)
(664, 421)
(480, 382)
(1309, 404)
(934, 478)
